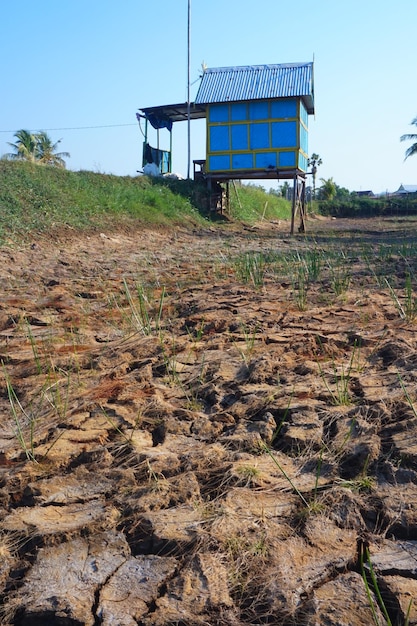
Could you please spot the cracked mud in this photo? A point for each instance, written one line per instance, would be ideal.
(210, 426)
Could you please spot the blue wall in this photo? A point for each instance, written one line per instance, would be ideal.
(257, 135)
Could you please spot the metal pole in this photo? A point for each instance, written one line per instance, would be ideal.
(188, 90)
(145, 143)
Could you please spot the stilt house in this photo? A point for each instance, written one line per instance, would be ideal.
(256, 125)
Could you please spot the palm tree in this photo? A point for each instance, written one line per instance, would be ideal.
(24, 147)
(46, 151)
(314, 162)
(37, 148)
(328, 189)
(411, 137)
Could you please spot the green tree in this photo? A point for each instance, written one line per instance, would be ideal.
(284, 189)
(342, 193)
(410, 137)
(328, 190)
(47, 151)
(314, 162)
(24, 146)
(37, 148)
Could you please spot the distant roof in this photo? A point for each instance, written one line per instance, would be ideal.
(368, 192)
(406, 189)
(257, 82)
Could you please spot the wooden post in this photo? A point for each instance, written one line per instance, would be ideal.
(299, 203)
(294, 203)
(302, 202)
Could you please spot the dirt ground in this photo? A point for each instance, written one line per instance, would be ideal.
(210, 426)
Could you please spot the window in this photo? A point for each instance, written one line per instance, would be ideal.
(266, 160)
(219, 138)
(219, 113)
(238, 112)
(284, 134)
(259, 136)
(258, 110)
(240, 137)
(221, 162)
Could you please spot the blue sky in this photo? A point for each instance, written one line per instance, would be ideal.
(71, 64)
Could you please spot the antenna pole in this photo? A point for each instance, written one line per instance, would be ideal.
(188, 89)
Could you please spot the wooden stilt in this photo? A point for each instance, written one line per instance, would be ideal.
(299, 203)
(294, 204)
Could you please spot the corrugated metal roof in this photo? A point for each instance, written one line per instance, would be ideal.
(176, 112)
(257, 82)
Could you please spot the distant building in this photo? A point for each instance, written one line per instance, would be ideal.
(365, 194)
(404, 190)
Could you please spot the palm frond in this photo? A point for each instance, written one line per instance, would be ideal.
(411, 151)
(409, 137)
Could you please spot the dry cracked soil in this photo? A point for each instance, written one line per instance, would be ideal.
(210, 426)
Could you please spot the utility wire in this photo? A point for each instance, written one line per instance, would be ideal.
(75, 128)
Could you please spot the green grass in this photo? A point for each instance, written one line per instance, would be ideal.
(36, 199)
(250, 203)
(340, 391)
(250, 267)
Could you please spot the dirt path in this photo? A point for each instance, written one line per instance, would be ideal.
(210, 427)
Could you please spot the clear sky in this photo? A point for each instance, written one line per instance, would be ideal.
(80, 69)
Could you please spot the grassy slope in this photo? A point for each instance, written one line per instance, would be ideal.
(38, 198)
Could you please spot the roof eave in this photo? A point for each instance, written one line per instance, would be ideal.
(176, 112)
